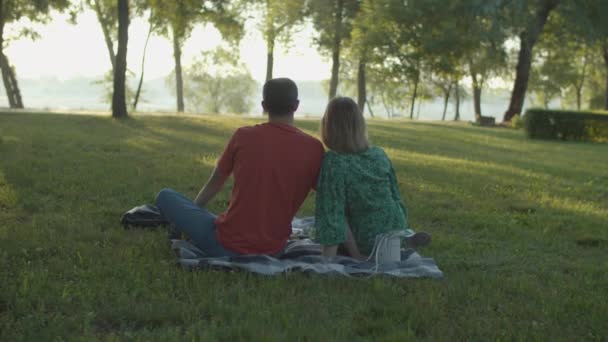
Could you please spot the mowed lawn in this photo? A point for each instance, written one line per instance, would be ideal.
(519, 227)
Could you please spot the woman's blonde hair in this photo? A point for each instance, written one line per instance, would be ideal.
(343, 126)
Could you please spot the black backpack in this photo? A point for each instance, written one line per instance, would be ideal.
(144, 216)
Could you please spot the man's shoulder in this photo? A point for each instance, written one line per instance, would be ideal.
(245, 129)
(247, 132)
(310, 139)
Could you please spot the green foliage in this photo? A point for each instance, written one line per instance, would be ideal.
(35, 11)
(518, 228)
(279, 18)
(107, 82)
(218, 82)
(566, 125)
(178, 18)
(563, 64)
(596, 87)
(323, 15)
(517, 122)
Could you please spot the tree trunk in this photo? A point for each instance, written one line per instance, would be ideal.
(446, 99)
(119, 104)
(606, 65)
(414, 95)
(477, 101)
(580, 84)
(8, 73)
(141, 76)
(477, 84)
(269, 59)
(13, 93)
(179, 81)
(361, 89)
(386, 107)
(335, 56)
(105, 28)
(457, 104)
(369, 108)
(528, 39)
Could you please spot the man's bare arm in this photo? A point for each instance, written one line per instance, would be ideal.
(214, 185)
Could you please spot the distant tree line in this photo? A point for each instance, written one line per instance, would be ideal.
(393, 53)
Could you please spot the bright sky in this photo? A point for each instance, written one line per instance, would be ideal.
(66, 51)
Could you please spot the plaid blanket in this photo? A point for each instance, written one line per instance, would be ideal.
(303, 255)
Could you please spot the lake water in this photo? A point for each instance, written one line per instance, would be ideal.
(84, 94)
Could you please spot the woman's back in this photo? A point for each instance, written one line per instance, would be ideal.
(358, 189)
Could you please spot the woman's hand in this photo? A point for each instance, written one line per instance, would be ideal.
(329, 251)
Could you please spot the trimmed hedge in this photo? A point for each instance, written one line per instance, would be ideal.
(566, 125)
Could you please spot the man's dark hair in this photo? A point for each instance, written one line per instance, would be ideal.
(280, 96)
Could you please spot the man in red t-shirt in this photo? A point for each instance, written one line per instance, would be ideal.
(274, 166)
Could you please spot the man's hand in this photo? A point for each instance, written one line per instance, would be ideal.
(213, 186)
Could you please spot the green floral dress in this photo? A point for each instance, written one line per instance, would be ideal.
(360, 190)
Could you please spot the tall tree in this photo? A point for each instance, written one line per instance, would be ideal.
(359, 50)
(587, 19)
(478, 34)
(143, 68)
(540, 11)
(279, 18)
(177, 19)
(394, 48)
(414, 38)
(119, 104)
(217, 82)
(333, 21)
(605, 55)
(458, 95)
(14, 10)
(106, 12)
(563, 60)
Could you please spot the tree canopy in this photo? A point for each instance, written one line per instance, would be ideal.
(390, 53)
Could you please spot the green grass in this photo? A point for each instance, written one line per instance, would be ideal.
(520, 229)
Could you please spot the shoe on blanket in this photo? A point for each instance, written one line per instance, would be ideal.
(419, 239)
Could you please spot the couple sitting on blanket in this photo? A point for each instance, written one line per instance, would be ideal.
(275, 165)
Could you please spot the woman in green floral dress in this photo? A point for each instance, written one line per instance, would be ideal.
(358, 194)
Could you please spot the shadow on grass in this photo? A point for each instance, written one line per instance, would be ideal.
(508, 146)
(141, 155)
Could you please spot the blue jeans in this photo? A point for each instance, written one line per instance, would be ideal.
(197, 223)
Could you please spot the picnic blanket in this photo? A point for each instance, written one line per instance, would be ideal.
(304, 255)
(301, 254)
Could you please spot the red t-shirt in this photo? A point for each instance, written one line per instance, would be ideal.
(274, 167)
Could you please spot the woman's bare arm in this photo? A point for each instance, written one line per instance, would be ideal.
(351, 245)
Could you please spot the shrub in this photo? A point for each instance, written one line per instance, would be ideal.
(517, 122)
(566, 125)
